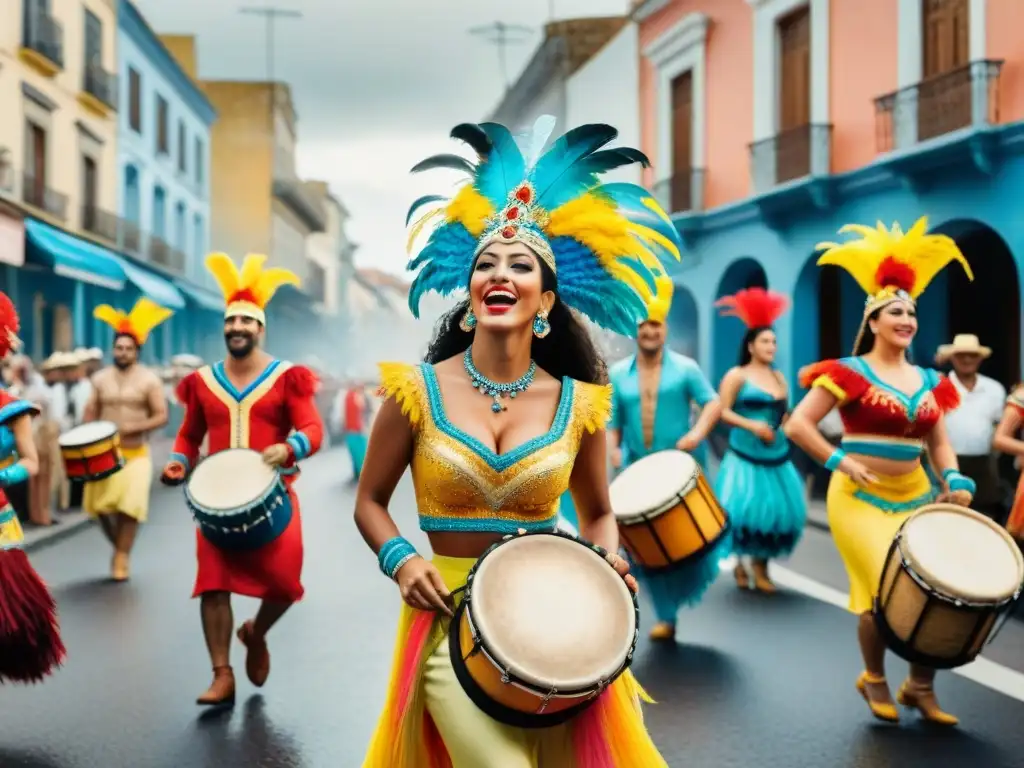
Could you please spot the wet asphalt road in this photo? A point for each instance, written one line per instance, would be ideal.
(766, 683)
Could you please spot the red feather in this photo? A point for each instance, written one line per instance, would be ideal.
(947, 396)
(301, 382)
(245, 294)
(9, 324)
(848, 380)
(896, 274)
(30, 642)
(756, 307)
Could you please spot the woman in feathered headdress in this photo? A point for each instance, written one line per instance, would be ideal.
(30, 642)
(507, 412)
(891, 412)
(757, 484)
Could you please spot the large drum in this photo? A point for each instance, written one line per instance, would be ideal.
(546, 624)
(666, 511)
(91, 451)
(949, 575)
(238, 501)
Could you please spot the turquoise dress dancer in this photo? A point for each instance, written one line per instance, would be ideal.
(757, 484)
(653, 394)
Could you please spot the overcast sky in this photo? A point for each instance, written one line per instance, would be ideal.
(378, 84)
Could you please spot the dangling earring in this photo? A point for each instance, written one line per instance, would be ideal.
(541, 326)
(468, 321)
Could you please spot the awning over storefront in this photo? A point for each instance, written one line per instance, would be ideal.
(72, 257)
(202, 297)
(153, 286)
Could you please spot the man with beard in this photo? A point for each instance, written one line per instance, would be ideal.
(130, 395)
(654, 391)
(248, 400)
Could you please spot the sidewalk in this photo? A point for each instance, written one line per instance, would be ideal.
(75, 520)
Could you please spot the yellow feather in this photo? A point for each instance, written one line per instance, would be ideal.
(224, 272)
(252, 268)
(107, 314)
(145, 316)
(471, 209)
(421, 222)
(272, 279)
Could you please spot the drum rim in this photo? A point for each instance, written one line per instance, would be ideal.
(202, 508)
(942, 587)
(514, 671)
(627, 518)
(62, 442)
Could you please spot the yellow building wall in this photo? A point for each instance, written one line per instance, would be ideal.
(242, 156)
(65, 139)
(183, 49)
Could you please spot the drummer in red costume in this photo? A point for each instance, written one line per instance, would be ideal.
(249, 400)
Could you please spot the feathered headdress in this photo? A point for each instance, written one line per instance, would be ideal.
(891, 266)
(9, 326)
(605, 242)
(247, 292)
(756, 307)
(657, 309)
(144, 317)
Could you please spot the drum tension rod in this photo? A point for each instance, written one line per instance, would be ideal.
(601, 685)
(547, 698)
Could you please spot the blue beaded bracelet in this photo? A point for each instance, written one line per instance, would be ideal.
(835, 459)
(957, 482)
(12, 475)
(949, 471)
(394, 554)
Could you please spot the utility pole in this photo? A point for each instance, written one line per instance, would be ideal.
(271, 14)
(502, 35)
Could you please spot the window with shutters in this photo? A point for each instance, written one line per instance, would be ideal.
(944, 95)
(134, 99)
(793, 158)
(682, 141)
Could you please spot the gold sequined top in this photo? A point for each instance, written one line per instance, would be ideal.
(462, 485)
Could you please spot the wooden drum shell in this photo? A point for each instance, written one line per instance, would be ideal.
(92, 461)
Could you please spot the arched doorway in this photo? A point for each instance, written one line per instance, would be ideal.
(827, 310)
(683, 324)
(728, 331)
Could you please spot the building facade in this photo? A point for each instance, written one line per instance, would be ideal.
(164, 175)
(769, 128)
(58, 145)
(324, 252)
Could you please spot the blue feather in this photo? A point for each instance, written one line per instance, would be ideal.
(420, 202)
(629, 201)
(557, 176)
(474, 136)
(449, 161)
(504, 167)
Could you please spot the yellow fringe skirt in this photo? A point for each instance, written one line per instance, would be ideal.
(430, 722)
(864, 521)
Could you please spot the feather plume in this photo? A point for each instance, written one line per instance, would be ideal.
(224, 272)
(503, 168)
(543, 127)
(252, 283)
(9, 324)
(451, 162)
(756, 307)
(139, 323)
(420, 202)
(475, 137)
(557, 177)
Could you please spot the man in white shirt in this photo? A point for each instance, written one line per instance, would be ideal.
(972, 425)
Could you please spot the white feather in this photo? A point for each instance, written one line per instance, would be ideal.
(543, 127)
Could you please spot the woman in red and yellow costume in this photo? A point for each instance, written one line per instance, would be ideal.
(249, 400)
(30, 642)
(1005, 441)
(892, 411)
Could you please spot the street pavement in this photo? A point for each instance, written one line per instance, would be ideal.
(765, 682)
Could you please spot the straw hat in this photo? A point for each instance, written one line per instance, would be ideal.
(963, 344)
(94, 353)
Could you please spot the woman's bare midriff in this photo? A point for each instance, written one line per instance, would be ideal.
(449, 544)
(887, 467)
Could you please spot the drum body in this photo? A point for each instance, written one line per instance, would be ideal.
(237, 500)
(546, 624)
(666, 510)
(91, 451)
(949, 576)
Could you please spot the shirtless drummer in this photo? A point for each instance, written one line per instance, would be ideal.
(132, 396)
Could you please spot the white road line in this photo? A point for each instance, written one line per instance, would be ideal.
(994, 676)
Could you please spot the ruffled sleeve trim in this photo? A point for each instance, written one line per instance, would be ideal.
(403, 383)
(593, 405)
(835, 377)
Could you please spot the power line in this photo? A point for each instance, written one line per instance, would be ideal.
(271, 14)
(503, 35)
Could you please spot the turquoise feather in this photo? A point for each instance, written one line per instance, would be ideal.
(558, 176)
(420, 202)
(504, 167)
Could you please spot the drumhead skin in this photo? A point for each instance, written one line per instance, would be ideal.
(651, 485)
(84, 434)
(230, 479)
(963, 553)
(553, 612)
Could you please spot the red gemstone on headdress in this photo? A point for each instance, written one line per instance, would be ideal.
(512, 213)
(508, 233)
(524, 195)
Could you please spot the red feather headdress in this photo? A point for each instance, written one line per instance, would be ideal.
(756, 307)
(9, 325)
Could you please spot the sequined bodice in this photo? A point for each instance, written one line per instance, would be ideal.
(754, 403)
(462, 485)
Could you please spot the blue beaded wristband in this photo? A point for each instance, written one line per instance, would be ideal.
(949, 471)
(12, 475)
(957, 482)
(394, 554)
(835, 459)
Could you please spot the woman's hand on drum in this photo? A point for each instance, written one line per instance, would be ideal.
(857, 472)
(422, 587)
(173, 474)
(687, 443)
(622, 568)
(960, 498)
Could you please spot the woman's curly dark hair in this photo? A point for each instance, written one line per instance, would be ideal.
(568, 350)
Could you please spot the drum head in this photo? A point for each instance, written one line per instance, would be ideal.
(963, 554)
(651, 485)
(553, 612)
(84, 434)
(230, 479)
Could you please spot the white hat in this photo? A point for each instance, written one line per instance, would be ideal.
(95, 353)
(187, 361)
(963, 344)
(64, 360)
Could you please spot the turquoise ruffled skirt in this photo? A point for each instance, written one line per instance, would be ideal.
(766, 504)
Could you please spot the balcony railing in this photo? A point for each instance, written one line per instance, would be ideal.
(43, 35)
(793, 154)
(34, 192)
(681, 192)
(99, 222)
(163, 255)
(968, 96)
(100, 84)
(130, 237)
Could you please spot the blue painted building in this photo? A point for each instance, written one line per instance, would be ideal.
(164, 185)
(966, 181)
